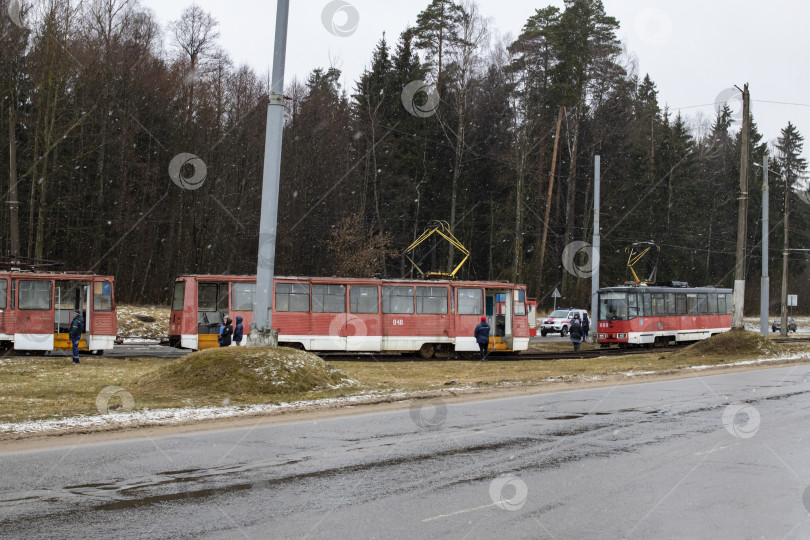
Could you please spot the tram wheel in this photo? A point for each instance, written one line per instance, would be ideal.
(427, 351)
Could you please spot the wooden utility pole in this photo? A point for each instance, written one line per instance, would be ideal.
(13, 201)
(548, 202)
(742, 215)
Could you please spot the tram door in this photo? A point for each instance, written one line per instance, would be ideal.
(212, 308)
(499, 317)
(70, 296)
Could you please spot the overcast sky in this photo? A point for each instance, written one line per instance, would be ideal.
(693, 50)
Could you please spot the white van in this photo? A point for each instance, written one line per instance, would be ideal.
(560, 320)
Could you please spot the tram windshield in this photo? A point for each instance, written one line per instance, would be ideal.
(613, 306)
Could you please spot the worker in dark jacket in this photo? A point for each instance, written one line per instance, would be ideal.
(482, 337)
(575, 332)
(238, 332)
(586, 326)
(75, 334)
(227, 332)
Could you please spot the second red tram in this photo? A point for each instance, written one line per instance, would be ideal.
(652, 315)
(356, 315)
(36, 309)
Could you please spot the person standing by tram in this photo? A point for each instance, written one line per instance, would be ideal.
(75, 334)
(586, 325)
(227, 332)
(482, 337)
(238, 332)
(575, 332)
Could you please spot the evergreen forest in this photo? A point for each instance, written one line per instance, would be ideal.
(136, 149)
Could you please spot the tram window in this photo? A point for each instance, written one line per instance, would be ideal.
(470, 301)
(703, 304)
(680, 304)
(179, 298)
(519, 298)
(632, 305)
(647, 308)
(3, 293)
(363, 299)
(670, 301)
(243, 296)
(658, 308)
(212, 297)
(397, 299)
(35, 294)
(329, 299)
(612, 306)
(102, 296)
(729, 304)
(13, 296)
(292, 297)
(431, 300)
(721, 304)
(712, 304)
(691, 304)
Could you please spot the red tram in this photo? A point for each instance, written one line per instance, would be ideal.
(356, 315)
(653, 315)
(36, 309)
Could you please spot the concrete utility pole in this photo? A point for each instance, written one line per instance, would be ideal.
(262, 333)
(597, 240)
(765, 282)
(784, 330)
(742, 215)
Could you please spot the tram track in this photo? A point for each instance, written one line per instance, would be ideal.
(501, 357)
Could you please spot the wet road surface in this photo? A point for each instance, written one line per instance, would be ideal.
(714, 457)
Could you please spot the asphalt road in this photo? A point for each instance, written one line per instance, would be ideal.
(714, 457)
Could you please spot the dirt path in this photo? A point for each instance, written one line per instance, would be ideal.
(17, 442)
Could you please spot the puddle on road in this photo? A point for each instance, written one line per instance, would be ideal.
(577, 415)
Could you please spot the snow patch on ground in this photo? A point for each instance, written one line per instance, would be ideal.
(147, 417)
(752, 362)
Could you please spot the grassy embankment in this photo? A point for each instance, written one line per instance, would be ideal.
(52, 387)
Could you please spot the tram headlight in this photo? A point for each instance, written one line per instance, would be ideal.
(601, 336)
(621, 336)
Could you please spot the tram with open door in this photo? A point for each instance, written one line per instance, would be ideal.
(393, 316)
(36, 309)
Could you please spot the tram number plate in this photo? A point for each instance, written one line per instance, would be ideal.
(399, 322)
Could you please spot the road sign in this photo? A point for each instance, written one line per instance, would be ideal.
(793, 300)
(556, 293)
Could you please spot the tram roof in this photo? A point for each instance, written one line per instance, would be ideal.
(333, 279)
(53, 275)
(664, 289)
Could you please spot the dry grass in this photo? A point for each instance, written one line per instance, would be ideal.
(40, 388)
(48, 387)
(734, 343)
(242, 375)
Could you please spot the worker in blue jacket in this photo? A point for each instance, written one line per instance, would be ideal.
(482, 338)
